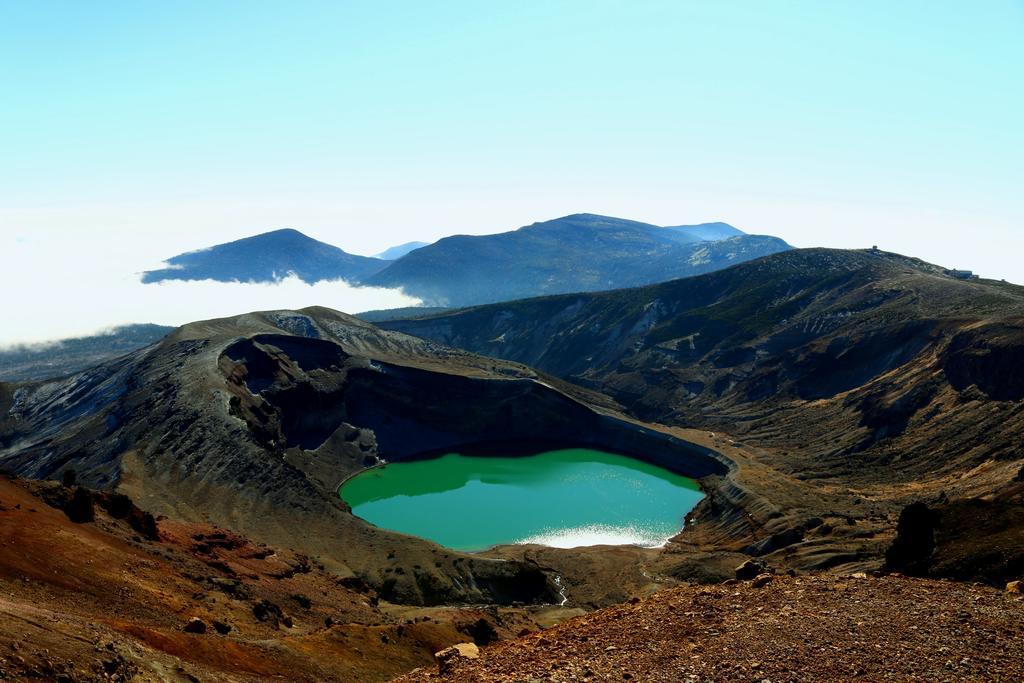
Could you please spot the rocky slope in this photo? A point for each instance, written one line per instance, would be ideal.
(820, 628)
(582, 252)
(866, 380)
(252, 422)
(101, 600)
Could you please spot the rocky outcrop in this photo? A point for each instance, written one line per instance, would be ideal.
(967, 540)
(449, 658)
(911, 552)
(989, 357)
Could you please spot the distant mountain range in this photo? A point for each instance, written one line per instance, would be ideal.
(709, 232)
(400, 250)
(582, 252)
(578, 253)
(268, 257)
(71, 355)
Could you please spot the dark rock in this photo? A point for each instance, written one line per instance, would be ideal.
(232, 587)
(146, 525)
(117, 505)
(222, 627)
(751, 569)
(911, 552)
(195, 625)
(69, 478)
(354, 583)
(81, 509)
(267, 611)
(978, 540)
(481, 631)
(120, 506)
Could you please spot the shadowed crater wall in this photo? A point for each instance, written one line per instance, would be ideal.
(310, 393)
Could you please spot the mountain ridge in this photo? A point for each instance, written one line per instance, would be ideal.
(579, 252)
(267, 257)
(709, 232)
(399, 250)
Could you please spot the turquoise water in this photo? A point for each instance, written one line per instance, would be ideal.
(563, 498)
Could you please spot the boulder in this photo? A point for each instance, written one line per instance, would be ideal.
(761, 580)
(267, 611)
(80, 508)
(195, 625)
(751, 569)
(448, 659)
(911, 551)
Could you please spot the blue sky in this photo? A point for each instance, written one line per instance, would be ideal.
(142, 129)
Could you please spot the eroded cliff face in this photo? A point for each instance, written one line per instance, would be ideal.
(989, 356)
(300, 393)
(253, 422)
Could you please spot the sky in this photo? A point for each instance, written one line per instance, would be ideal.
(130, 132)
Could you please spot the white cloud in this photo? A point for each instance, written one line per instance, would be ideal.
(54, 290)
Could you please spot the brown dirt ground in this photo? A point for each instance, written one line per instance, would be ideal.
(95, 601)
(810, 628)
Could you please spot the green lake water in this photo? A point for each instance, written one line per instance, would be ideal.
(563, 498)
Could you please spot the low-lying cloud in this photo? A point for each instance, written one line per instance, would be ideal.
(51, 293)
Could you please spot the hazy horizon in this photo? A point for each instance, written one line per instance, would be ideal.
(132, 133)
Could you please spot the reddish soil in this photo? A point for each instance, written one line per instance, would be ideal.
(814, 628)
(96, 601)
